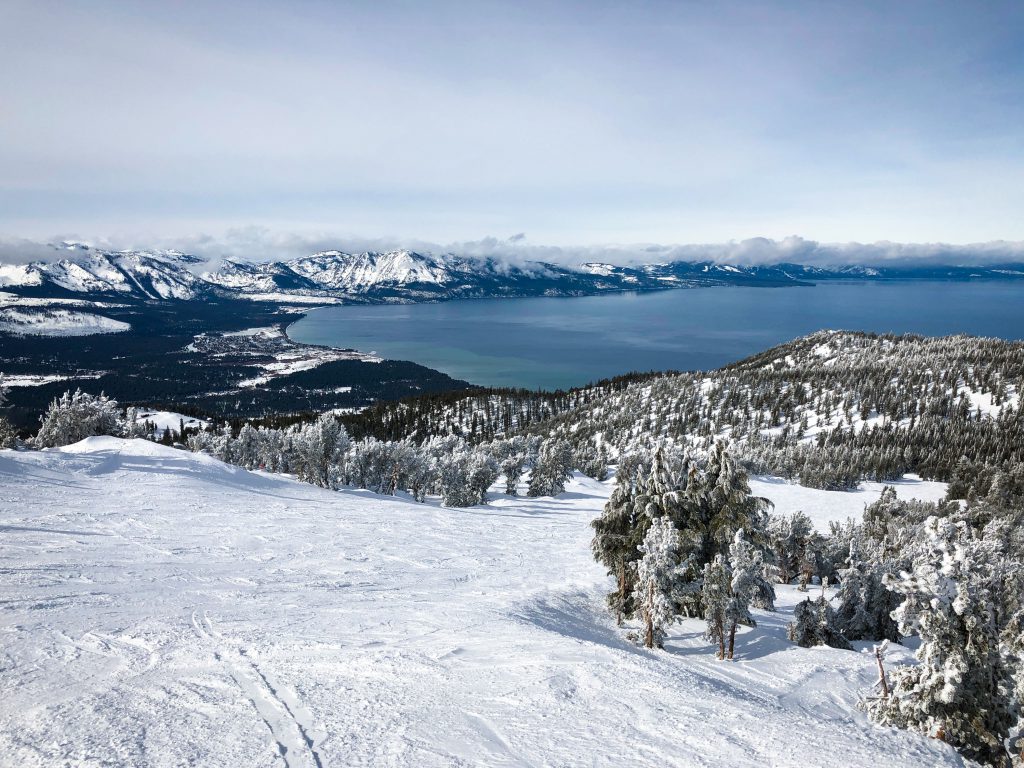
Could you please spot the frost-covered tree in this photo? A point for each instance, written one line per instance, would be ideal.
(483, 471)
(715, 503)
(657, 579)
(552, 470)
(617, 533)
(716, 595)
(222, 444)
(134, 426)
(592, 461)
(76, 416)
(246, 450)
(320, 449)
(814, 623)
(962, 690)
(865, 603)
(749, 581)
(512, 456)
(8, 435)
(790, 539)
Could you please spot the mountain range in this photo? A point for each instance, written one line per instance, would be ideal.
(405, 275)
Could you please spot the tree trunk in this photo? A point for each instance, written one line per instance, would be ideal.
(622, 593)
(881, 674)
(732, 638)
(649, 618)
(721, 639)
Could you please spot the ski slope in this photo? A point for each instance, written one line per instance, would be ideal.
(163, 609)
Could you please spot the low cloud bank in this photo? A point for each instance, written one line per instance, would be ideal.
(259, 244)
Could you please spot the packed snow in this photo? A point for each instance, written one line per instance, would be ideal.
(163, 608)
(824, 507)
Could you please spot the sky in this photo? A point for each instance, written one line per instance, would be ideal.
(559, 124)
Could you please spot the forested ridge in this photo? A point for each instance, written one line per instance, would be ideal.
(828, 409)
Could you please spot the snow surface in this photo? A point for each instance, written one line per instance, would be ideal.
(38, 379)
(165, 420)
(824, 507)
(161, 608)
(57, 322)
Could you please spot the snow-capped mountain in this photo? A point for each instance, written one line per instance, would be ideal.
(86, 270)
(404, 275)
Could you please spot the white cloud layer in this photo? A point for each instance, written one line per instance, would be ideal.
(260, 244)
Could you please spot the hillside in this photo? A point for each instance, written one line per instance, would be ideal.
(830, 409)
(163, 608)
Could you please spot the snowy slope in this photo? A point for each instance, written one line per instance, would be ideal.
(824, 507)
(57, 322)
(161, 608)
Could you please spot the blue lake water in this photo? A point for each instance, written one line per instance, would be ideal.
(551, 343)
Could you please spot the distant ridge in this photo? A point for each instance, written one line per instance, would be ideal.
(409, 276)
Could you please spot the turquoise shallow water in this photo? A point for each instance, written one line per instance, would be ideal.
(550, 343)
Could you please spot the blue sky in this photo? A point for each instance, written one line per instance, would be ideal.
(575, 123)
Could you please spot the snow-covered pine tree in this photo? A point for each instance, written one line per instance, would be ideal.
(657, 578)
(865, 604)
(553, 468)
(716, 595)
(617, 534)
(321, 448)
(748, 586)
(8, 435)
(223, 444)
(512, 456)
(246, 451)
(76, 416)
(483, 471)
(962, 690)
(727, 505)
(814, 623)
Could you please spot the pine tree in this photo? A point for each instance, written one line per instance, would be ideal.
(76, 416)
(747, 586)
(814, 623)
(321, 448)
(716, 595)
(962, 690)
(865, 604)
(617, 535)
(553, 468)
(8, 435)
(657, 578)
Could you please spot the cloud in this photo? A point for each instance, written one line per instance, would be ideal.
(260, 244)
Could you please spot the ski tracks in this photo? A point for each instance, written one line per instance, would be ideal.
(290, 724)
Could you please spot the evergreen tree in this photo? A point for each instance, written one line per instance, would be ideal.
(320, 449)
(814, 623)
(865, 603)
(76, 416)
(8, 435)
(618, 533)
(657, 578)
(552, 470)
(962, 689)
(716, 595)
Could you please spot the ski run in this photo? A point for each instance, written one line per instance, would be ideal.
(161, 608)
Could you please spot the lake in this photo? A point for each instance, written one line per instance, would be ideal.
(555, 343)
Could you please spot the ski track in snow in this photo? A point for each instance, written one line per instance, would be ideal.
(159, 608)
